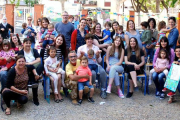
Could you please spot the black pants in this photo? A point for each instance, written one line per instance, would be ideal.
(10, 95)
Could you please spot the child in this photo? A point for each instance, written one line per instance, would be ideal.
(6, 54)
(27, 33)
(52, 68)
(84, 70)
(92, 62)
(162, 30)
(161, 62)
(106, 34)
(48, 39)
(146, 39)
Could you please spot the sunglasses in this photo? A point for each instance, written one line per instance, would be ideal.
(72, 56)
(29, 19)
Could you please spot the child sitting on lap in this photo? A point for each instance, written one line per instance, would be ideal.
(84, 70)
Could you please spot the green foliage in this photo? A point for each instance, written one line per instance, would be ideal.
(31, 2)
(17, 2)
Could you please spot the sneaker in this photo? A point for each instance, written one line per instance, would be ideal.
(162, 95)
(150, 82)
(136, 89)
(171, 94)
(74, 102)
(103, 94)
(164, 90)
(80, 101)
(90, 99)
(157, 94)
(120, 94)
(108, 89)
(129, 94)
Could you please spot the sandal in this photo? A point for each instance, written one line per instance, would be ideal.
(61, 100)
(8, 112)
(57, 100)
(19, 105)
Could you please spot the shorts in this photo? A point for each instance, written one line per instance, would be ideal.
(82, 84)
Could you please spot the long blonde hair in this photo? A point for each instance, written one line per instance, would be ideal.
(137, 50)
(120, 47)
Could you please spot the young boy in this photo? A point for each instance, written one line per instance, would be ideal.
(84, 70)
(47, 34)
(146, 39)
(27, 33)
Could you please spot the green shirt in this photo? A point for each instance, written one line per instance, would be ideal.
(146, 37)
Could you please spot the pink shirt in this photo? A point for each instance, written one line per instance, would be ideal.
(83, 71)
(161, 63)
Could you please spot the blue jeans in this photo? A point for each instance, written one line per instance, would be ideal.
(45, 42)
(82, 84)
(158, 80)
(149, 52)
(3, 78)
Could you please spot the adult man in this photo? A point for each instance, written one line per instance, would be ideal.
(66, 28)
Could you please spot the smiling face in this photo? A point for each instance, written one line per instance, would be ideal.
(132, 43)
(171, 23)
(151, 24)
(72, 57)
(115, 26)
(117, 42)
(163, 55)
(44, 24)
(177, 51)
(163, 44)
(52, 53)
(59, 41)
(65, 17)
(27, 45)
(14, 39)
(131, 25)
(20, 63)
(89, 42)
(82, 24)
(5, 47)
(98, 28)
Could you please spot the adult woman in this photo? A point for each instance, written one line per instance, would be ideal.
(132, 32)
(173, 35)
(4, 28)
(158, 75)
(16, 86)
(60, 45)
(32, 58)
(44, 27)
(134, 60)
(98, 34)
(114, 59)
(115, 32)
(83, 49)
(16, 43)
(38, 27)
(152, 25)
(77, 38)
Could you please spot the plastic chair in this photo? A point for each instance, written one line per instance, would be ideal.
(122, 76)
(46, 84)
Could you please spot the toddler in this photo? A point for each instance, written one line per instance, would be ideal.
(53, 69)
(161, 62)
(48, 39)
(162, 30)
(6, 54)
(83, 69)
(27, 33)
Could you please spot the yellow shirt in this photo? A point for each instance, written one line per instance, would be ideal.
(70, 69)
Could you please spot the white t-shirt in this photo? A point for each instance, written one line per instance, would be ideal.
(29, 57)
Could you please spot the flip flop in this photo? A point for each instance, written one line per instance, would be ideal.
(8, 112)
(57, 100)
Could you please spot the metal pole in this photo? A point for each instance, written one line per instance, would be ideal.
(123, 15)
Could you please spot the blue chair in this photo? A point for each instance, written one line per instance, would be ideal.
(143, 76)
(46, 84)
(122, 76)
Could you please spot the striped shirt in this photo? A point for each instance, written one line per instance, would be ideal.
(58, 54)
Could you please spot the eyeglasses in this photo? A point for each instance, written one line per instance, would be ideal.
(72, 56)
(29, 19)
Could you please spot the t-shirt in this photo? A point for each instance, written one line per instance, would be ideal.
(106, 32)
(83, 71)
(66, 30)
(133, 56)
(70, 69)
(29, 57)
(76, 24)
(91, 60)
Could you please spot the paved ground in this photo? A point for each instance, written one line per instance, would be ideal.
(139, 107)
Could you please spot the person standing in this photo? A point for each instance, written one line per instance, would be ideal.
(76, 22)
(4, 28)
(66, 28)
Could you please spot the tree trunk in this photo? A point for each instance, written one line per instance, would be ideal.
(157, 6)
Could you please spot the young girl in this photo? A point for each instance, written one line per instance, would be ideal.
(52, 68)
(161, 62)
(83, 69)
(162, 30)
(6, 54)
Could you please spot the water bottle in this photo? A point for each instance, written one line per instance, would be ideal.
(148, 60)
(97, 84)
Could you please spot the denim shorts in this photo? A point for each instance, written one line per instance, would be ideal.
(82, 84)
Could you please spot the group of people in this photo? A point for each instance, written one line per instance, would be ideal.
(81, 46)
